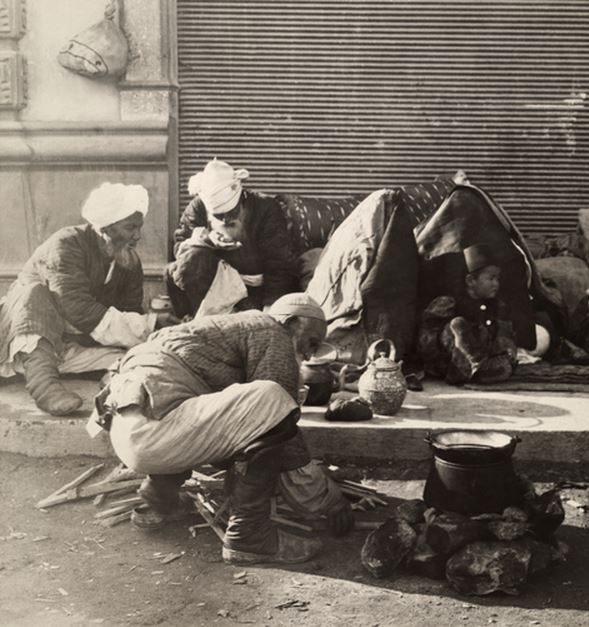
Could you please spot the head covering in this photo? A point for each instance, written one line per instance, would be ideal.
(218, 186)
(112, 202)
(477, 257)
(297, 304)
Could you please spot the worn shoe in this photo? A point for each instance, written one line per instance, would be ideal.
(292, 549)
(414, 383)
(146, 518)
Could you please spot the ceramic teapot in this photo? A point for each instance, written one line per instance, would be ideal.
(383, 383)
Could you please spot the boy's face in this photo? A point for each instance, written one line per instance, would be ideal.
(485, 283)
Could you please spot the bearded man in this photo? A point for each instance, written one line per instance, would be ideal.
(77, 304)
(232, 248)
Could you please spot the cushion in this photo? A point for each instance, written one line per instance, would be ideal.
(569, 274)
(312, 219)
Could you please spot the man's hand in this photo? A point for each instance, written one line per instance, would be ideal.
(165, 319)
(340, 518)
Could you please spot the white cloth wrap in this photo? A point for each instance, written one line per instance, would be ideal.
(226, 290)
(123, 328)
(204, 429)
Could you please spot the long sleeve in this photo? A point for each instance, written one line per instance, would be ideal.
(64, 271)
(194, 215)
(278, 259)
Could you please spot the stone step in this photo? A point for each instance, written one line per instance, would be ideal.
(553, 427)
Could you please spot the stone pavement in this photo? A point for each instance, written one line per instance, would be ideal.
(553, 427)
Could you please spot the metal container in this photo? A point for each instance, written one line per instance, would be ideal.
(472, 489)
(472, 446)
(472, 472)
(320, 381)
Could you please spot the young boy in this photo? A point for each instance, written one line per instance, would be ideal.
(470, 337)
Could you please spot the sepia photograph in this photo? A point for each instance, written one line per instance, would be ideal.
(294, 313)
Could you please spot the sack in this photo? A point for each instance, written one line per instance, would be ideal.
(101, 50)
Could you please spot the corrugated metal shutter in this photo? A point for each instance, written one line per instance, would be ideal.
(336, 96)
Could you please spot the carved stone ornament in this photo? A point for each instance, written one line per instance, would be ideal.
(101, 50)
(13, 86)
(12, 19)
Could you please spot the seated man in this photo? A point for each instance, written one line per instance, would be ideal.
(203, 392)
(231, 245)
(470, 338)
(77, 303)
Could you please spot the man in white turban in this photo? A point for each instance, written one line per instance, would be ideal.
(232, 248)
(76, 306)
(209, 391)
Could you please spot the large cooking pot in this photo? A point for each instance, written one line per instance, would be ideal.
(472, 489)
(472, 472)
(472, 447)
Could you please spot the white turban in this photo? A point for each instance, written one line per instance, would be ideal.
(112, 202)
(297, 304)
(218, 186)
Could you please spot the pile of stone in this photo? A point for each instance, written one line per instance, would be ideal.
(477, 555)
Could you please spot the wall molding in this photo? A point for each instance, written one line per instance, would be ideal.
(13, 80)
(13, 14)
(114, 143)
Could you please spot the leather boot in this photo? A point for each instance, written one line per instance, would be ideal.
(43, 384)
(251, 537)
(163, 501)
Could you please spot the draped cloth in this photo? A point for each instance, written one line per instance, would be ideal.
(367, 275)
(470, 216)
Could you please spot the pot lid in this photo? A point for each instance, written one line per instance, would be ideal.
(472, 439)
(385, 363)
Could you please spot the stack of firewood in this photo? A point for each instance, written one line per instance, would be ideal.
(117, 493)
(120, 482)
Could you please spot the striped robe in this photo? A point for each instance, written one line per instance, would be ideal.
(62, 286)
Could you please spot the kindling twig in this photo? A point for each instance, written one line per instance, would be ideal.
(47, 502)
(203, 511)
(91, 490)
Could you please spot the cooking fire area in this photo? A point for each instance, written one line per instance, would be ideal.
(480, 525)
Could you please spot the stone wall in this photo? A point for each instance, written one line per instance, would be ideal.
(61, 134)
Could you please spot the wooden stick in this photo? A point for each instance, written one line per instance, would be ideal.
(72, 484)
(115, 520)
(91, 490)
(119, 509)
(367, 524)
(355, 492)
(206, 514)
(290, 523)
(221, 511)
(353, 484)
(132, 499)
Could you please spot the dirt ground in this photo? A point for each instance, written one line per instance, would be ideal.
(58, 568)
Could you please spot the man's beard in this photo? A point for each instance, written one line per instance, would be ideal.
(124, 256)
